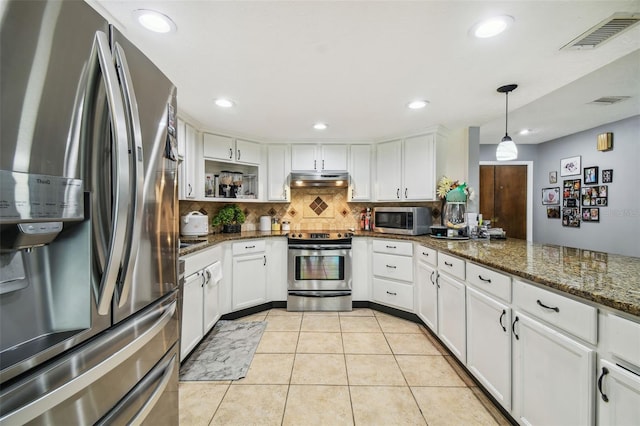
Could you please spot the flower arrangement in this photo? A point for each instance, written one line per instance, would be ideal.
(446, 184)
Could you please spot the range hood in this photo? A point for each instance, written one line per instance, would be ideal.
(320, 179)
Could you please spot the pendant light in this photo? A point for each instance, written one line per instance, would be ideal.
(507, 149)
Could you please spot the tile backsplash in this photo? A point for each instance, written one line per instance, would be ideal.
(317, 209)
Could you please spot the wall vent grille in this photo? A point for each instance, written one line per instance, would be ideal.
(604, 31)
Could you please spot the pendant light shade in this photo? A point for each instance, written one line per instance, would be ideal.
(507, 149)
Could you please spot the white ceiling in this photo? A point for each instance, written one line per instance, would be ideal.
(356, 64)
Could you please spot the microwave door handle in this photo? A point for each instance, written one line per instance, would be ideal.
(101, 60)
(137, 162)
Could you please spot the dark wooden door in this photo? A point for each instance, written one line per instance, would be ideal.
(503, 198)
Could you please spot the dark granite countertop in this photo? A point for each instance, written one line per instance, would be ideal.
(608, 279)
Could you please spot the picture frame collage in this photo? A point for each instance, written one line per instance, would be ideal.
(580, 199)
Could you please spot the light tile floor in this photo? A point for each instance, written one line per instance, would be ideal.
(362, 367)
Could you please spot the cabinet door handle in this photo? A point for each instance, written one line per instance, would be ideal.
(513, 328)
(405, 193)
(203, 279)
(393, 294)
(265, 260)
(314, 164)
(448, 264)
(239, 154)
(504, 312)
(190, 189)
(208, 277)
(547, 307)
(353, 192)
(604, 396)
(285, 193)
(486, 280)
(398, 193)
(322, 164)
(230, 153)
(431, 278)
(438, 280)
(391, 266)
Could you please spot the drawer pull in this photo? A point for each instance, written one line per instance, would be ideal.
(513, 328)
(486, 280)
(391, 266)
(547, 307)
(425, 254)
(249, 247)
(393, 294)
(447, 263)
(391, 247)
(604, 396)
(504, 312)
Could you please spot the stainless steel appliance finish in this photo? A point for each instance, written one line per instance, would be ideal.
(88, 281)
(323, 179)
(319, 271)
(402, 220)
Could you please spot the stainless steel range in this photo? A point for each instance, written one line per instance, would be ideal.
(319, 276)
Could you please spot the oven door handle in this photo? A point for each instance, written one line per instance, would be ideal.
(320, 293)
(318, 247)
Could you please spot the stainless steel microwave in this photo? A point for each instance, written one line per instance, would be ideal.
(402, 220)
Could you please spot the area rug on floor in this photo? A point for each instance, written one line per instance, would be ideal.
(226, 353)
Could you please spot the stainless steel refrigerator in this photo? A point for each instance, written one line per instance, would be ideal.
(88, 230)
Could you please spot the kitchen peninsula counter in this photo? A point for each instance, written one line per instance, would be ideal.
(608, 279)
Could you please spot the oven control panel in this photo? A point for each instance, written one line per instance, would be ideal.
(319, 235)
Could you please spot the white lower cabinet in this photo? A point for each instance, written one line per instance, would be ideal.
(427, 303)
(192, 309)
(618, 395)
(361, 265)
(277, 251)
(249, 274)
(451, 315)
(392, 266)
(553, 376)
(489, 344)
(201, 307)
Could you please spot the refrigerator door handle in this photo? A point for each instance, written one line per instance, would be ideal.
(137, 167)
(101, 51)
(46, 402)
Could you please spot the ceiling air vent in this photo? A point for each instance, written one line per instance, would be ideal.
(608, 100)
(605, 30)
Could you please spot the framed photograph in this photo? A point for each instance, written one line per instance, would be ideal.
(590, 175)
(595, 195)
(550, 196)
(591, 214)
(571, 192)
(571, 217)
(607, 176)
(553, 177)
(570, 166)
(553, 212)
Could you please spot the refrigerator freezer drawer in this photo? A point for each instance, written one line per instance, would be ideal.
(85, 385)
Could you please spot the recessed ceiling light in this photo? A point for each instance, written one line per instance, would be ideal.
(224, 103)
(417, 104)
(320, 126)
(491, 27)
(154, 21)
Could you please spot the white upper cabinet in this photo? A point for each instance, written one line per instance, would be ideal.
(225, 148)
(389, 175)
(317, 158)
(406, 169)
(190, 167)
(360, 173)
(278, 169)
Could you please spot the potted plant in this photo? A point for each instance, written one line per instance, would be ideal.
(231, 217)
